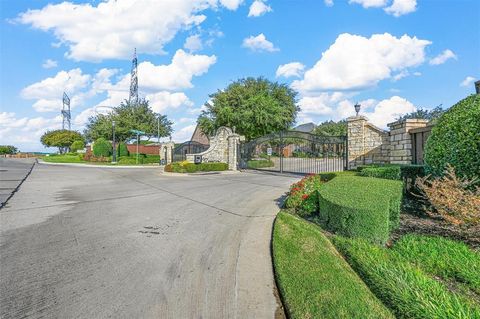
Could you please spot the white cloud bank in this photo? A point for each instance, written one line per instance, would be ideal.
(112, 29)
(443, 57)
(290, 69)
(468, 81)
(259, 43)
(48, 64)
(355, 62)
(258, 8)
(396, 8)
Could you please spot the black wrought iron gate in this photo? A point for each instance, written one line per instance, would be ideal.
(295, 152)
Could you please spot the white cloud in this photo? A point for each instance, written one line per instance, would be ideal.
(183, 134)
(258, 8)
(328, 3)
(25, 132)
(386, 111)
(259, 43)
(290, 69)
(113, 28)
(49, 91)
(468, 81)
(177, 75)
(354, 61)
(161, 101)
(48, 64)
(443, 57)
(370, 3)
(401, 7)
(193, 43)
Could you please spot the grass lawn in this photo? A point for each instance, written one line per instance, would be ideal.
(63, 159)
(314, 280)
(420, 277)
(77, 159)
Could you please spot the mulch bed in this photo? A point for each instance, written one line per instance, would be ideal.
(414, 219)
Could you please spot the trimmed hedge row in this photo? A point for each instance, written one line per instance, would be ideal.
(260, 164)
(356, 206)
(392, 171)
(192, 168)
(142, 159)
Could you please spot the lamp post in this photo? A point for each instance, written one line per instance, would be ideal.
(158, 140)
(114, 153)
(357, 108)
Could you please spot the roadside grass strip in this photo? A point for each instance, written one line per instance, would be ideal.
(404, 287)
(452, 261)
(63, 159)
(314, 280)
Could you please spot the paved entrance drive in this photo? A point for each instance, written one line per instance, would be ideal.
(81, 242)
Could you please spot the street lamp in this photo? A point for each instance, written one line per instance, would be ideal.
(357, 108)
(114, 153)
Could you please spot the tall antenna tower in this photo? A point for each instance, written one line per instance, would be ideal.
(133, 98)
(66, 113)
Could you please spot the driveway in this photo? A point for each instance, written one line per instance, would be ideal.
(81, 242)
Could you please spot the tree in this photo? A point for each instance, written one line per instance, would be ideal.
(127, 117)
(431, 115)
(77, 145)
(331, 128)
(102, 147)
(255, 107)
(8, 149)
(60, 138)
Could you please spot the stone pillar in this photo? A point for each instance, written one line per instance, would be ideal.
(356, 137)
(166, 151)
(401, 140)
(233, 143)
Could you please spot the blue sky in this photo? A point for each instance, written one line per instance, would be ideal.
(392, 56)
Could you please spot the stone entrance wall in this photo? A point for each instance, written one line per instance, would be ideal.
(368, 144)
(223, 148)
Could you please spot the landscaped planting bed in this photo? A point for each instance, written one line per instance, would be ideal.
(187, 167)
(313, 279)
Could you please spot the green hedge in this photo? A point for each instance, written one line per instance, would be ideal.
(77, 145)
(356, 206)
(142, 159)
(260, 164)
(122, 149)
(455, 140)
(192, 168)
(387, 172)
(102, 148)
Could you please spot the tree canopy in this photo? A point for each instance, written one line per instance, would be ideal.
(331, 128)
(60, 138)
(254, 106)
(8, 149)
(127, 117)
(425, 114)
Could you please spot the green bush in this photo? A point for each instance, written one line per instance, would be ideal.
(402, 286)
(456, 140)
(356, 206)
(122, 149)
(76, 146)
(259, 164)
(183, 167)
(387, 172)
(102, 148)
(303, 195)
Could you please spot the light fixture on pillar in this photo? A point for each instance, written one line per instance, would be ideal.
(357, 108)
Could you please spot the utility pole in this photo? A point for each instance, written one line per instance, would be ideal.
(114, 154)
(66, 115)
(158, 139)
(133, 97)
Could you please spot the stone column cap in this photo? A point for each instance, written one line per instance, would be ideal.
(357, 118)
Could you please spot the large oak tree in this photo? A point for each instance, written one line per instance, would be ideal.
(254, 106)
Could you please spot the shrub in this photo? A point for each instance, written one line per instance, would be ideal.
(356, 206)
(102, 148)
(387, 172)
(8, 149)
(303, 195)
(260, 164)
(451, 198)
(456, 140)
(122, 149)
(126, 160)
(187, 167)
(76, 146)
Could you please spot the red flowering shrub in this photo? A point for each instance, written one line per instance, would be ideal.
(303, 195)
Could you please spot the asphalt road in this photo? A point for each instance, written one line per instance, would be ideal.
(12, 174)
(80, 242)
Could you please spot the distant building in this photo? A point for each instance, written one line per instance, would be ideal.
(306, 128)
(199, 136)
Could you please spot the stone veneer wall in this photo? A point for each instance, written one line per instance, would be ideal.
(368, 144)
(401, 140)
(223, 148)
